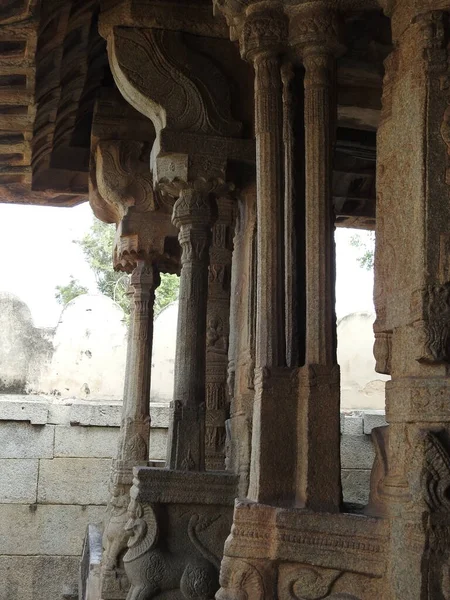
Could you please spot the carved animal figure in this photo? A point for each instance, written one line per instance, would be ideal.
(115, 537)
(152, 571)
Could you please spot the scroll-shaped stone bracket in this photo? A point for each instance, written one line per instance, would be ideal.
(175, 87)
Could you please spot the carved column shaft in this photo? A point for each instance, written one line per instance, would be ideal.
(135, 427)
(290, 246)
(186, 449)
(270, 344)
(320, 279)
(217, 336)
(318, 466)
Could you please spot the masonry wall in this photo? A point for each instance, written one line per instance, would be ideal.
(54, 467)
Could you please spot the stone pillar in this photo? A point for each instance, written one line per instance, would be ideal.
(135, 425)
(273, 449)
(217, 335)
(412, 299)
(241, 366)
(133, 447)
(318, 482)
(193, 215)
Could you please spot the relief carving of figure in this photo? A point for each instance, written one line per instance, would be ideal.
(115, 537)
(153, 571)
(216, 340)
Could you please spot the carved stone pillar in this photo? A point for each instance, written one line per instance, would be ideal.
(135, 426)
(318, 482)
(217, 335)
(412, 283)
(193, 215)
(263, 37)
(242, 340)
(121, 189)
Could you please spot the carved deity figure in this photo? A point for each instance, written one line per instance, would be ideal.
(215, 339)
(153, 571)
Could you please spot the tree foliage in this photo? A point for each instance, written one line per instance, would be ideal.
(167, 292)
(66, 293)
(97, 246)
(366, 244)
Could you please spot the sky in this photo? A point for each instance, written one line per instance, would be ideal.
(38, 253)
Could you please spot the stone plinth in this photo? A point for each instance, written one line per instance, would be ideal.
(193, 513)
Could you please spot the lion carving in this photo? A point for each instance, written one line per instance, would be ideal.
(152, 571)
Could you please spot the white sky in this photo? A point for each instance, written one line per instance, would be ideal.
(38, 253)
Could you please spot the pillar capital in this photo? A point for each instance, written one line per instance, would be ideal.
(192, 208)
(315, 34)
(264, 33)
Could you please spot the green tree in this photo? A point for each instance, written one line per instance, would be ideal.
(366, 244)
(167, 292)
(66, 293)
(97, 246)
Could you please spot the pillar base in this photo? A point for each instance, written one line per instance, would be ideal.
(318, 438)
(279, 553)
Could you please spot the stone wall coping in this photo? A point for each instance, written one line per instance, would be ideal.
(43, 410)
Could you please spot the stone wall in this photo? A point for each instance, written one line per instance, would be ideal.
(25, 350)
(361, 387)
(54, 468)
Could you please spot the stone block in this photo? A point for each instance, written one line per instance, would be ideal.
(18, 481)
(357, 452)
(23, 440)
(59, 414)
(74, 480)
(372, 419)
(95, 442)
(21, 408)
(100, 414)
(158, 444)
(37, 577)
(37, 529)
(356, 485)
(353, 425)
(160, 414)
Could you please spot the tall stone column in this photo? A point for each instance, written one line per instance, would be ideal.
(272, 463)
(133, 447)
(217, 334)
(318, 482)
(193, 215)
(135, 425)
